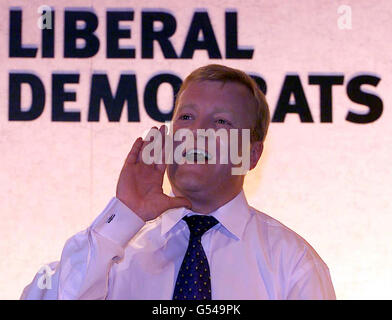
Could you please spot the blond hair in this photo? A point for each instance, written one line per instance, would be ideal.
(215, 72)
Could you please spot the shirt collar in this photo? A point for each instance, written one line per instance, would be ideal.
(233, 216)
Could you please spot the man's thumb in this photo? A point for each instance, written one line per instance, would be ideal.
(178, 202)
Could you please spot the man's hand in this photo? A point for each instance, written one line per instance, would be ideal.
(139, 186)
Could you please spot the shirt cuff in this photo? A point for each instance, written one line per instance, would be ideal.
(118, 223)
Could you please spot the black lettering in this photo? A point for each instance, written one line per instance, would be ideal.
(72, 33)
(114, 33)
(48, 38)
(59, 96)
(373, 102)
(15, 112)
(169, 26)
(260, 82)
(231, 31)
(16, 49)
(201, 22)
(292, 85)
(150, 95)
(326, 83)
(126, 91)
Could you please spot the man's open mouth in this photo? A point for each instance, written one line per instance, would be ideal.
(196, 155)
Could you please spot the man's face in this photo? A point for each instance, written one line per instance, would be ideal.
(211, 105)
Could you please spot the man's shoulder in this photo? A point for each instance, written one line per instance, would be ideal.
(272, 224)
(281, 238)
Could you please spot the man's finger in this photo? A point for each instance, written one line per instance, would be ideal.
(178, 202)
(162, 165)
(147, 140)
(135, 150)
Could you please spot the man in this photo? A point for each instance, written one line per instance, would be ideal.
(202, 242)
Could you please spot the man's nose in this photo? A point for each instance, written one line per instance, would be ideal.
(201, 131)
(200, 124)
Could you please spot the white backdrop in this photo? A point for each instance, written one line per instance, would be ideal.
(329, 182)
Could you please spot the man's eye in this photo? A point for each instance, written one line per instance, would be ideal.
(184, 117)
(223, 121)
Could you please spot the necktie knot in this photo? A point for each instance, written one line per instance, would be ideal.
(199, 224)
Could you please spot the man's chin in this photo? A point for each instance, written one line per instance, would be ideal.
(187, 179)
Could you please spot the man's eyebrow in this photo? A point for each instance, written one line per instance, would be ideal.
(189, 105)
(223, 109)
(217, 109)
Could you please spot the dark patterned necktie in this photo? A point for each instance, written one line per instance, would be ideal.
(193, 280)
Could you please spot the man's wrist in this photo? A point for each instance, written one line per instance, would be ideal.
(119, 223)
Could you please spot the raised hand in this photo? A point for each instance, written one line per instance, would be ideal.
(140, 185)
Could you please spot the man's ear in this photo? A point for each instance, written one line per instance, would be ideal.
(256, 149)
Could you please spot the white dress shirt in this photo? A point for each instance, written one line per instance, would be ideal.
(250, 255)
